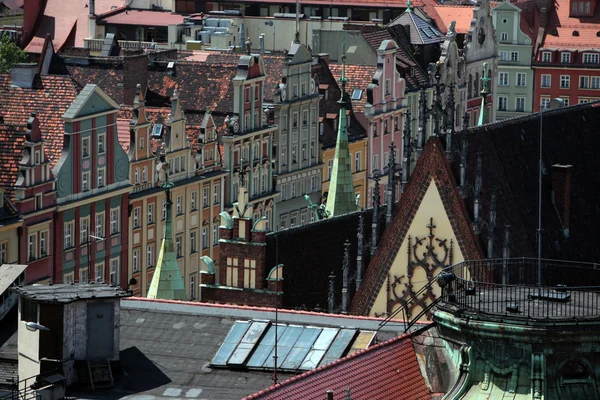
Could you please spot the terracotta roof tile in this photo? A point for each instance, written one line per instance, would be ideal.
(388, 370)
(565, 25)
(49, 99)
(461, 14)
(12, 138)
(359, 77)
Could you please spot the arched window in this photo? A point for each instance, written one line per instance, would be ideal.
(145, 175)
(137, 176)
(574, 369)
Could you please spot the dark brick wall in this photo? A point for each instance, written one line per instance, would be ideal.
(136, 72)
(246, 297)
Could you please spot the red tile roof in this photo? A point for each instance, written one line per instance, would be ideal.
(12, 138)
(123, 134)
(67, 25)
(388, 370)
(143, 17)
(49, 99)
(359, 77)
(461, 14)
(559, 20)
(432, 164)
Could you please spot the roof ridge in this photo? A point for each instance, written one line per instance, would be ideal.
(360, 353)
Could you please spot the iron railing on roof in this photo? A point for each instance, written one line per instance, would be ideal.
(565, 290)
(96, 44)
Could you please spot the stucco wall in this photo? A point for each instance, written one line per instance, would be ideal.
(430, 207)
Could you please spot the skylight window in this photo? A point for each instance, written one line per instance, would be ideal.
(157, 130)
(357, 94)
(251, 344)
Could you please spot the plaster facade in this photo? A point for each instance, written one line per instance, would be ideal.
(297, 167)
(514, 84)
(411, 269)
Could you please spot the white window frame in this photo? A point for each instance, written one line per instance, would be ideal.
(193, 200)
(99, 224)
(115, 269)
(101, 178)
(357, 161)
(546, 56)
(502, 103)
(136, 217)
(549, 83)
(517, 100)
(144, 174)
(503, 79)
(114, 221)
(503, 55)
(521, 79)
(32, 246)
(514, 56)
(84, 229)
(85, 181)
(136, 260)
(85, 147)
(584, 82)
(68, 235)
(43, 244)
(193, 242)
(99, 272)
(192, 287)
(205, 241)
(591, 58)
(565, 57)
(150, 214)
(595, 82)
(205, 194)
(565, 81)
(179, 204)
(101, 143)
(150, 255)
(504, 36)
(216, 189)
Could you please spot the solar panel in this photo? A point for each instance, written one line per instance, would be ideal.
(230, 343)
(338, 347)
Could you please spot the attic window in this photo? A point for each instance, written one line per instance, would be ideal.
(357, 94)
(575, 33)
(598, 34)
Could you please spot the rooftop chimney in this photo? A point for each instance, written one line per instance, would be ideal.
(561, 193)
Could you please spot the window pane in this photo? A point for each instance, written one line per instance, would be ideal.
(235, 334)
(339, 346)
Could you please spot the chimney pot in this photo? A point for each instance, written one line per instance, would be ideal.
(561, 193)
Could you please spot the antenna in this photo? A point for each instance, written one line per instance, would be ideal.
(276, 306)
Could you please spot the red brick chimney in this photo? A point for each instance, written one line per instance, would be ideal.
(561, 193)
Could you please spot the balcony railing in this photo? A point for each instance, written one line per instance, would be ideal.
(510, 287)
(96, 44)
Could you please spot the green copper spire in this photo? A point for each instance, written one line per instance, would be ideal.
(409, 6)
(167, 282)
(340, 199)
(483, 113)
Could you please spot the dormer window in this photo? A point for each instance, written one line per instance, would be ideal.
(591, 58)
(357, 94)
(546, 57)
(565, 57)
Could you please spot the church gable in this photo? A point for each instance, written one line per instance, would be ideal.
(430, 212)
(91, 100)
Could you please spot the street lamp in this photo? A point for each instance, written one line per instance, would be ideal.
(554, 103)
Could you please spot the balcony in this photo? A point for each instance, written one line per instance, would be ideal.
(511, 288)
(95, 45)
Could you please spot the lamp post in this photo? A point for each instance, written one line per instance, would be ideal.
(554, 103)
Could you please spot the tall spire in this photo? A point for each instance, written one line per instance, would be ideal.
(340, 199)
(375, 223)
(483, 113)
(167, 282)
(407, 149)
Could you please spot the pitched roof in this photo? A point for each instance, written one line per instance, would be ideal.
(67, 26)
(50, 98)
(564, 25)
(388, 370)
(509, 151)
(359, 77)
(432, 164)
(410, 69)
(12, 138)
(318, 247)
(421, 31)
(461, 14)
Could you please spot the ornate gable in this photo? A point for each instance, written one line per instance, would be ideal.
(430, 230)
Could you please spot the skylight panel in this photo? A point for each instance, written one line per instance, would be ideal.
(301, 348)
(357, 94)
(265, 348)
(230, 343)
(338, 347)
(319, 348)
(246, 345)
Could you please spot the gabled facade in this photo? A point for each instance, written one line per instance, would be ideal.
(430, 231)
(35, 199)
(196, 197)
(384, 112)
(480, 48)
(248, 142)
(297, 167)
(514, 82)
(92, 193)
